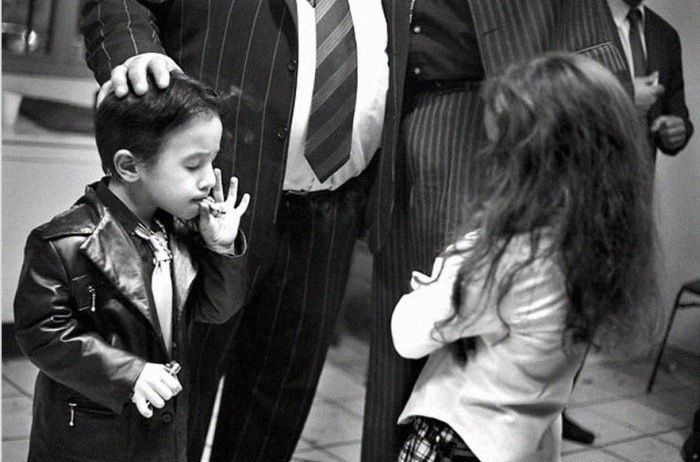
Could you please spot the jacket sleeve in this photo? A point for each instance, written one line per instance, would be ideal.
(51, 336)
(222, 283)
(424, 320)
(115, 30)
(673, 99)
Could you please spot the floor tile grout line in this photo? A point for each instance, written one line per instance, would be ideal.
(339, 444)
(624, 396)
(337, 404)
(638, 429)
(18, 387)
(323, 449)
(617, 456)
(14, 438)
(629, 439)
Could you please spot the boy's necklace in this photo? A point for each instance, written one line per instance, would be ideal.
(158, 241)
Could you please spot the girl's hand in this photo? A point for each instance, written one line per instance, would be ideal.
(218, 219)
(154, 386)
(419, 279)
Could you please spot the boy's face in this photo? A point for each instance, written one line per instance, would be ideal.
(182, 174)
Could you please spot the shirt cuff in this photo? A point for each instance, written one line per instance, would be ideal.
(237, 249)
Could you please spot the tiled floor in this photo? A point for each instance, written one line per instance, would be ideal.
(630, 424)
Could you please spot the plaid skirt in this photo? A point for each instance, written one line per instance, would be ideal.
(431, 440)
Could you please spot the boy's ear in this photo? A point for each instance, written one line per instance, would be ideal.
(126, 166)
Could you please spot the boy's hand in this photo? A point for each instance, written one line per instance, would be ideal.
(154, 386)
(218, 219)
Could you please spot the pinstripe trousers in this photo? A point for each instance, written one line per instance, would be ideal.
(280, 346)
(439, 133)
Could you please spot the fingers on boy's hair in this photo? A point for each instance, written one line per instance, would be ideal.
(160, 72)
(118, 79)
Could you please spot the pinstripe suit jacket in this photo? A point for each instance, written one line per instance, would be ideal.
(246, 49)
(508, 31)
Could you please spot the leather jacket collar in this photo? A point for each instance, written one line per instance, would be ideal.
(109, 247)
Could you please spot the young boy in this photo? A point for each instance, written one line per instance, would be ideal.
(108, 287)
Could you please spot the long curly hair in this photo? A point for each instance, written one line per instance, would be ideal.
(568, 165)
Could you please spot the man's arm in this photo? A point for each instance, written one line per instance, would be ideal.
(115, 30)
(672, 129)
(122, 42)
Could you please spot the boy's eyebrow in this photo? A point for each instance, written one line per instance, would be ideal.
(201, 154)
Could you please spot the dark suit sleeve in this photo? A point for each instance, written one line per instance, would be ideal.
(54, 340)
(222, 283)
(673, 99)
(115, 30)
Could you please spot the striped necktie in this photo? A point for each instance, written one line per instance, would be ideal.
(638, 58)
(329, 133)
(161, 281)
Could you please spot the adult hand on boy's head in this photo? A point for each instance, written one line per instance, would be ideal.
(220, 219)
(154, 386)
(135, 70)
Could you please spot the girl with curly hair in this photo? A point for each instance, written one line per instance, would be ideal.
(558, 251)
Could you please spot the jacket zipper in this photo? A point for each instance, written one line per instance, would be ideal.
(74, 408)
(93, 296)
(71, 422)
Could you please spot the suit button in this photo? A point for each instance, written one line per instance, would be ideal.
(292, 66)
(417, 70)
(167, 417)
(417, 29)
(282, 133)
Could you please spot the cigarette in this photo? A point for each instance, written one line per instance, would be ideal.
(215, 208)
(655, 82)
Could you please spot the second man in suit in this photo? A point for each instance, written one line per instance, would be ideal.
(653, 51)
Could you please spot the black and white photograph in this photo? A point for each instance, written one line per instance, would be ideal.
(350, 231)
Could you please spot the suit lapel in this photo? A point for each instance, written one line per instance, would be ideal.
(652, 40)
(511, 31)
(111, 250)
(589, 29)
(183, 271)
(655, 57)
(292, 7)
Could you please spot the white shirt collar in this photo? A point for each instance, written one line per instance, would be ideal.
(619, 11)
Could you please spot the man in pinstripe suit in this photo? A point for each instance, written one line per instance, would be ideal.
(439, 51)
(305, 84)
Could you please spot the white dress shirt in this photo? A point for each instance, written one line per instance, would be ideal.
(619, 10)
(372, 82)
(506, 400)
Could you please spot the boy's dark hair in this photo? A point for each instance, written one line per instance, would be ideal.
(141, 123)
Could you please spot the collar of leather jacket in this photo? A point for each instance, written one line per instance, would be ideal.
(124, 269)
(81, 218)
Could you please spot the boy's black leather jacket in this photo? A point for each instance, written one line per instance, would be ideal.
(83, 315)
